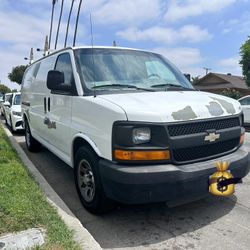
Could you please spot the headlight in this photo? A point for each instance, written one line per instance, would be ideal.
(141, 135)
(137, 142)
(16, 113)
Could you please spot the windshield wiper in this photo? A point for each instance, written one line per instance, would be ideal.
(169, 85)
(121, 86)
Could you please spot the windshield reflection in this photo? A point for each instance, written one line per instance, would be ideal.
(116, 69)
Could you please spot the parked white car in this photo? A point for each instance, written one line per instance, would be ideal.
(130, 124)
(245, 103)
(1, 102)
(6, 98)
(12, 112)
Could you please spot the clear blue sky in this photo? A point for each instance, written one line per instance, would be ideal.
(191, 33)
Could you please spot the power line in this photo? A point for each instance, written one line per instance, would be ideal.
(59, 23)
(67, 30)
(77, 19)
(51, 20)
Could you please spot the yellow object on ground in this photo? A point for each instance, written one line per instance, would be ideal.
(221, 175)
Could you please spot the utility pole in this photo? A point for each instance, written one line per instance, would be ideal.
(31, 57)
(46, 47)
(207, 69)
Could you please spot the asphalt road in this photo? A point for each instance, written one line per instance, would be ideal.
(211, 223)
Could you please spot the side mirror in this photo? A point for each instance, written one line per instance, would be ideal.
(188, 76)
(6, 104)
(55, 81)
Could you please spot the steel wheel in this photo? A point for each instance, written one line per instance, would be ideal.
(86, 181)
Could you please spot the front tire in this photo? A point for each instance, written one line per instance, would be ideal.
(88, 182)
(11, 126)
(6, 122)
(32, 144)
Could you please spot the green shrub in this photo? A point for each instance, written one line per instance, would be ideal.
(235, 94)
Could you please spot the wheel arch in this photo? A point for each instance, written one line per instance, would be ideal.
(83, 140)
(25, 118)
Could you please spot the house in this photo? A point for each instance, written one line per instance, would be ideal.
(216, 83)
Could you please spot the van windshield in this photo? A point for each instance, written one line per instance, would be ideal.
(116, 69)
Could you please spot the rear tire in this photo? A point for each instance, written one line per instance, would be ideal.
(6, 122)
(88, 182)
(32, 144)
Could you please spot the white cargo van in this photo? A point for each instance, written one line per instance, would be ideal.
(130, 124)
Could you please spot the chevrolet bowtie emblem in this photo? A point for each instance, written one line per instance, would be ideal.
(212, 137)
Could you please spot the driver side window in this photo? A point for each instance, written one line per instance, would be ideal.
(64, 65)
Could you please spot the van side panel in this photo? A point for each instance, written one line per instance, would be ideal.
(94, 118)
(34, 92)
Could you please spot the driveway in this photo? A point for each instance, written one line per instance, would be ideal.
(211, 223)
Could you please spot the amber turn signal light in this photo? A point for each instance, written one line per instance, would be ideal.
(130, 155)
(242, 138)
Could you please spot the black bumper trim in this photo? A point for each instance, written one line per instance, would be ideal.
(166, 182)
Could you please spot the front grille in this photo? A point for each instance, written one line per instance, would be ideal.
(199, 127)
(199, 152)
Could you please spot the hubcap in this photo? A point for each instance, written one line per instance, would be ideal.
(86, 182)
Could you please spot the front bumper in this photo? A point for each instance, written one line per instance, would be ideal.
(166, 182)
(17, 122)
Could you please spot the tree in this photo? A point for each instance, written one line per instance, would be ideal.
(14, 90)
(245, 60)
(195, 79)
(16, 75)
(4, 89)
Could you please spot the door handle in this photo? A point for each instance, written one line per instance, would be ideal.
(49, 104)
(44, 105)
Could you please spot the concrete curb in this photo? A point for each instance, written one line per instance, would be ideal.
(81, 234)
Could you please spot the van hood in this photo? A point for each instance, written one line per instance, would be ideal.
(172, 106)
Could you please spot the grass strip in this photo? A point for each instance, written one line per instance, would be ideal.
(23, 205)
